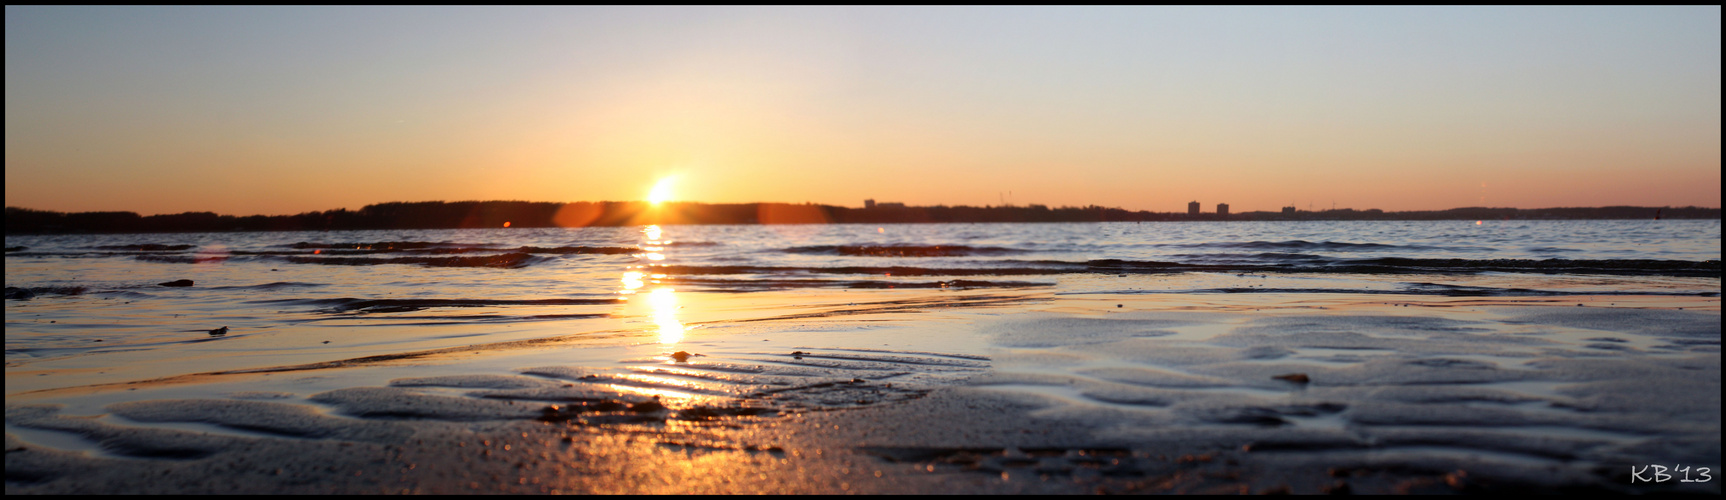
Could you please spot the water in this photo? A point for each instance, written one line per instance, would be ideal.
(66, 291)
(1446, 345)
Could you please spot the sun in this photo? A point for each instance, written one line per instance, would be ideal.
(661, 192)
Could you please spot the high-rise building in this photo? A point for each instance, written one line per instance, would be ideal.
(1222, 209)
(869, 203)
(1288, 210)
(1193, 208)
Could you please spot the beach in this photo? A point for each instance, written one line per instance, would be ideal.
(1422, 357)
(954, 392)
(863, 250)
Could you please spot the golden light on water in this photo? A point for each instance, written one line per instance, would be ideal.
(661, 191)
(645, 391)
(652, 247)
(632, 281)
(664, 304)
(661, 302)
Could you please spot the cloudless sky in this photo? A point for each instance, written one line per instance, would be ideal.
(281, 110)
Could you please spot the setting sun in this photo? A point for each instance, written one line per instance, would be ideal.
(661, 192)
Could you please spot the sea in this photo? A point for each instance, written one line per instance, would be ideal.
(1445, 355)
(70, 295)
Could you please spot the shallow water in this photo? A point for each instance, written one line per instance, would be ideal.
(1520, 347)
(66, 292)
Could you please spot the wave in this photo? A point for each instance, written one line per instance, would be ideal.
(400, 305)
(1389, 265)
(464, 320)
(186, 258)
(1642, 267)
(1250, 257)
(508, 260)
(1321, 246)
(580, 250)
(1414, 289)
(25, 293)
(268, 286)
(380, 245)
(1399, 265)
(365, 249)
(741, 285)
(885, 271)
(902, 250)
(146, 247)
(1261, 257)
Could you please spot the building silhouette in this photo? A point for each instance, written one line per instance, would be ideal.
(1222, 209)
(869, 203)
(1193, 208)
(1288, 210)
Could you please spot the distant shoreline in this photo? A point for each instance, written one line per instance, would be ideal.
(520, 214)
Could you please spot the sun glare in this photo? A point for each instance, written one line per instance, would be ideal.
(661, 192)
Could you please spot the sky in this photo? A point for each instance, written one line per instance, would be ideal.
(282, 110)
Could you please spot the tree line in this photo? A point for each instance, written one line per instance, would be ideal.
(520, 214)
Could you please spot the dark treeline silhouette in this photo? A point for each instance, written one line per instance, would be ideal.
(518, 214)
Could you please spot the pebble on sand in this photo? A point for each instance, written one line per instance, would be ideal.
(1298, 378)
(680, 356)
(219, 332)
(177, 283)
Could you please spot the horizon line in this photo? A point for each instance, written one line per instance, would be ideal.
(889, 205)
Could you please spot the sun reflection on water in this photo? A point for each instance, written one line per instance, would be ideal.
(654, 248)
(645, 391)
(632, 282)
(670, 383)
(664, 303)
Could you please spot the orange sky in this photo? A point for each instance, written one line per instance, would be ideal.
(287, 110)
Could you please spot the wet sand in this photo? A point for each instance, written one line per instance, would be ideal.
(919, 391)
